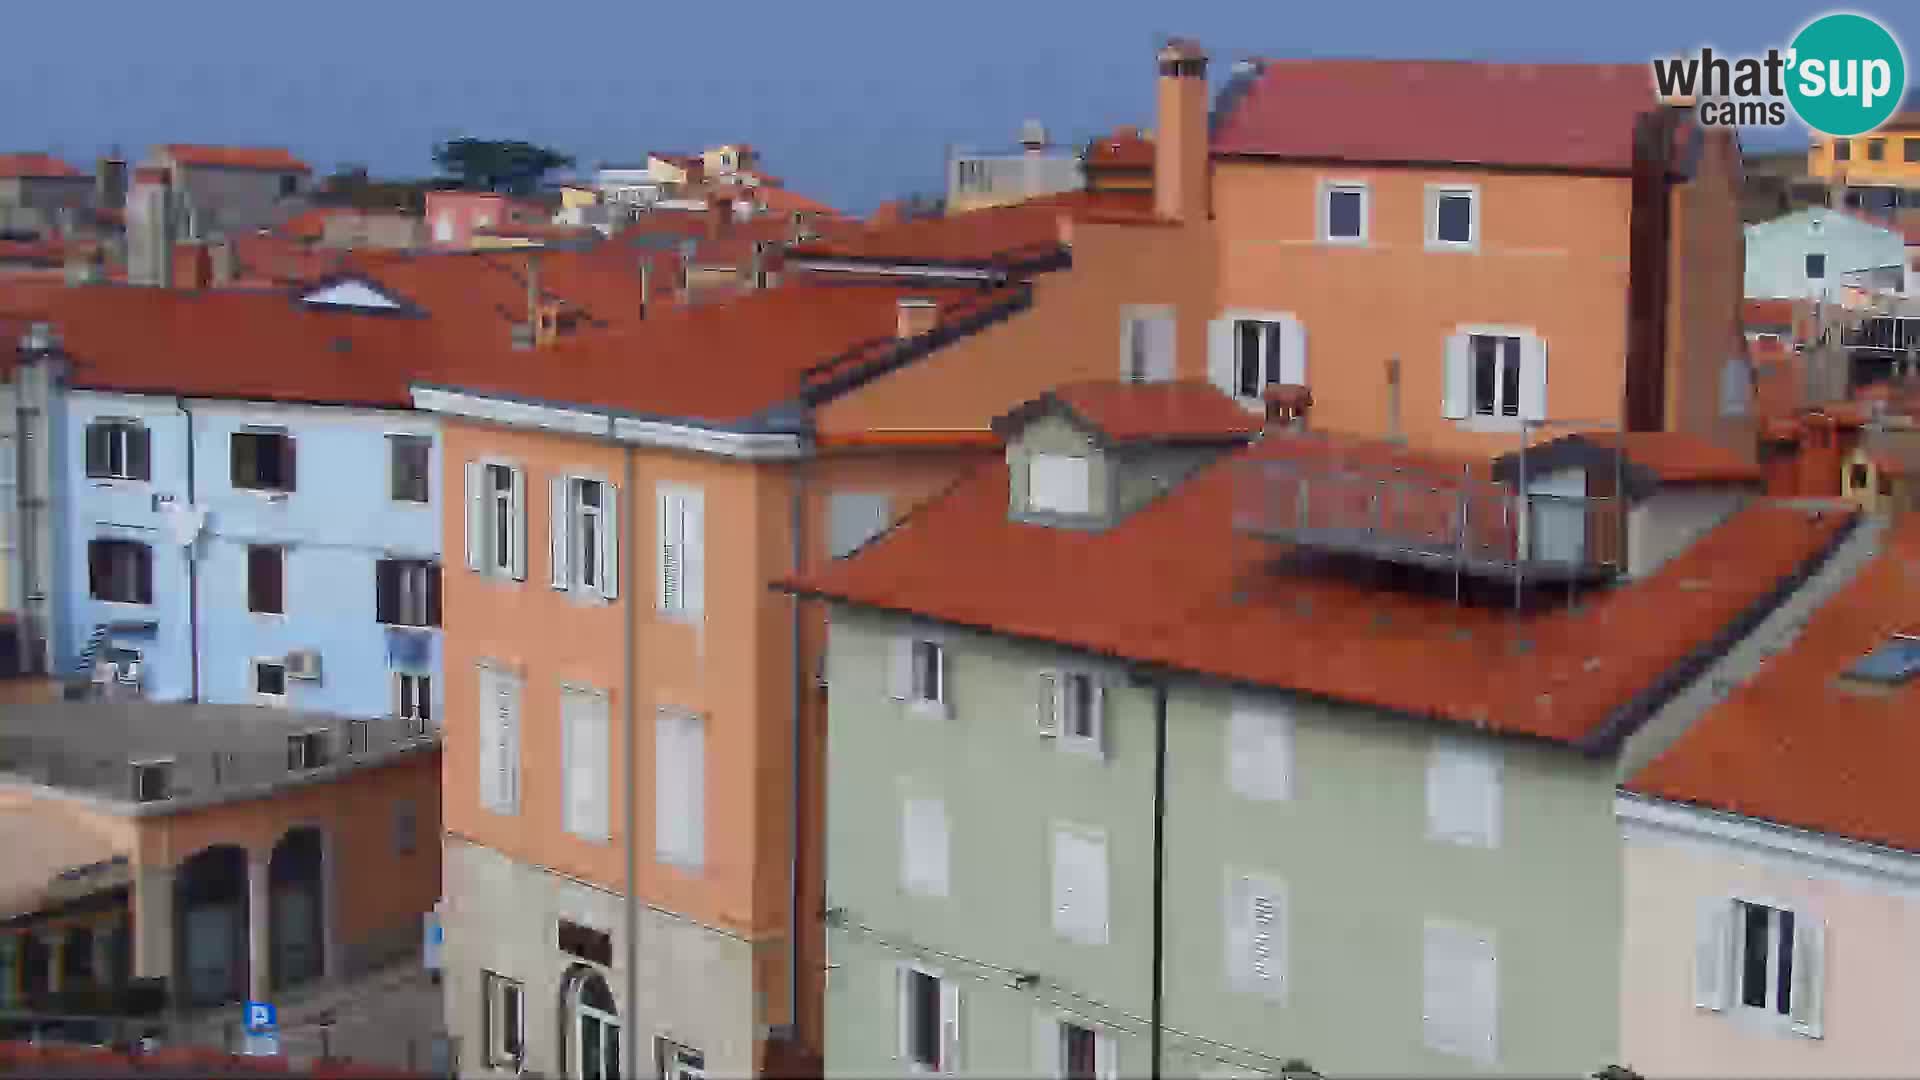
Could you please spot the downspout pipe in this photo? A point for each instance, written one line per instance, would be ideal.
(797, 530)
(630, 657)
(1157, 682)
(193, 566)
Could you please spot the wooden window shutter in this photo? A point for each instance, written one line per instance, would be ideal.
(900, 667)
(517, 527)
(949, 1026)
(143, 571)
(476, 513)
(1221, 369)
(1293, 352)
(99, 449)
(1046, 704)
(433, 594)
(289, 464)
(139, 453)
(1712, 954)
(1809, 974)
(668, 515)
(609, 541)
(1533, 378)
(560, 529)
(386, 591)
(1459, 378)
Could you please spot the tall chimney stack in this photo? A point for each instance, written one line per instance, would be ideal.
(1180, 146)
(151, 229)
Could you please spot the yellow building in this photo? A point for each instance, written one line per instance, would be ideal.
(572, 197)
(1887, 157)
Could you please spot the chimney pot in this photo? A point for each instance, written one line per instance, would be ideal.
(917, 316)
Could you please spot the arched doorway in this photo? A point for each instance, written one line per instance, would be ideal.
(211, 925)
(296, 927)
(593, 1027)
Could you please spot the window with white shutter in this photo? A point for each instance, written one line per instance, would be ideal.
(1260, 749)
(1147, 336)
(680, 789)
(587, 752)
(1496, 375)
(1256, 935)
(1057, 484)
(853, 518)
(583, 524)
(499, 740)
(1764, 960)
(1464, 792)
(496, 519)
(1080, 884)
(682, 541)
(923, 847)
(1460, 992)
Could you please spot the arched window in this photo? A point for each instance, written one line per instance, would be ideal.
(593, 1028)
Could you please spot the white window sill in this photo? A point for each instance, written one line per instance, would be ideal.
(270, 701)
(1081, 746)
(265, 494)
(1468, 246)
(689, 867)
(1344, 241)
(1491, 425)
(112, 482)
(1465, 840)
(1767, 1022)
(937, 710)
(119, 605)
(268, 616)
(681, 616)
(499, 811)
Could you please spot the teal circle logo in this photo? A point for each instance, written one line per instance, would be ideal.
(1846, 74)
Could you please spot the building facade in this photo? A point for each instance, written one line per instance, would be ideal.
(1816, 253)
(233, 189)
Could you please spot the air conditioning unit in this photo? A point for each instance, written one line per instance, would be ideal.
(304, 664)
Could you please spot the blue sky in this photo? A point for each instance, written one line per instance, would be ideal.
(851, 101)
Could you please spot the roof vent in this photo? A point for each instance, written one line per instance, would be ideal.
(917, 315)
(1892, 664)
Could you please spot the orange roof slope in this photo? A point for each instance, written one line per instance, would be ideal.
(723, 362)
(1795, 744)
(35, 167)
(274, 158)
(1176, 585)
(1679, 458)
(977, 237)
(1125, 148)
(1183, 411)
(1558, 116)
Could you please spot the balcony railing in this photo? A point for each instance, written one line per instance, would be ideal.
(1428, 518)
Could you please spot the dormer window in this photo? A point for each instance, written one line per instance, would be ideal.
(1057, 484)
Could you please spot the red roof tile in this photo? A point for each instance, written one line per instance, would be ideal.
(1795, 744)
(1176, 584)
(35, 166)
(1561, 116)
(1184, 411)
(1124, 148)
(1769, 312)
(768, 344)
(1679, 458)
(999, 233)
(779, 200)
(273, 158)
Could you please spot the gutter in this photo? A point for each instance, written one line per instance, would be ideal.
(1624, 721)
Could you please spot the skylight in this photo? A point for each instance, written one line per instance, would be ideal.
(352, 294)
(1892, 663)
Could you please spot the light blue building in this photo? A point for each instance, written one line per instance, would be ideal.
(1813, 253)
(217, 547)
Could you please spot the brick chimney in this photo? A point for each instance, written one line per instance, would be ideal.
(1180, 146)
(917, 316)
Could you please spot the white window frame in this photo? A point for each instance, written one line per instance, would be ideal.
(1240, 940)
(1135, 346)
(946, 1039)
(905, 675)
(1486, 1050)
(679, 830)
(1496, 410)
(1059, 484)
(1476, 225)
(1331, 186)
(578, 762)
(1260, 746)
(496, 989)
(488, 511)
(1093, 742)
(1534, 379)
(396, 441)
(413, 697)
(1454, 761)
(260, 697)
(1282, 364)
(925, 868)
(571, 522)
(680, 540)
(1105, 1047)
(1087, 919)
(1719, 964)
(119, 435)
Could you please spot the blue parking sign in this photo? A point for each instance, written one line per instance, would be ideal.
(260, 1017)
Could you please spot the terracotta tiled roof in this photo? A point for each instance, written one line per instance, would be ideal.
(721, 362)
(1564, 116)
(312, 224)
(1176, 585)
(1185, 411)
(237, 344)
(1000, 233)
(35, 166)
(1762, 313)
(779, 200)
(1124, 148)
(1676, 457)
(46, 251)
(1796, 743)
(273, 158)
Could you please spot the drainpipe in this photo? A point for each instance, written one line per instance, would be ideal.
(796, 528)
(630, 570)
(1157, 1015)
(193, 567)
